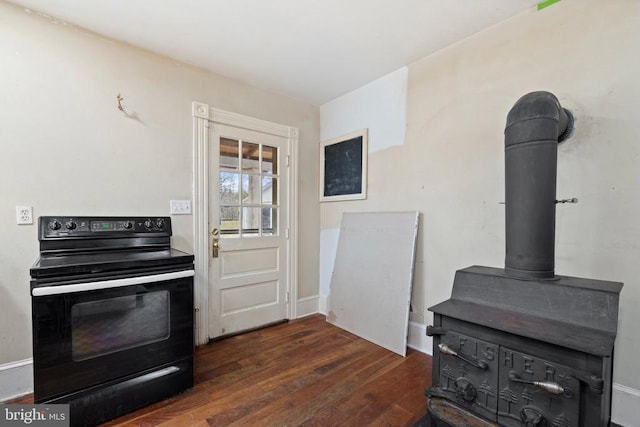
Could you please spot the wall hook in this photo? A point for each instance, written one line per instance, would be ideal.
(120, 98)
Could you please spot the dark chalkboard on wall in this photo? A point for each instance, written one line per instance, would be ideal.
(343, 167)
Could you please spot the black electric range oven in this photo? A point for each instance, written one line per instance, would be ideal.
(112, 311)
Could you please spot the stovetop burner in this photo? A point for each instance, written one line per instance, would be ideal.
(69, 264)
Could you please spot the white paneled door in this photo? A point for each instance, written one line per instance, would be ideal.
(248, 228)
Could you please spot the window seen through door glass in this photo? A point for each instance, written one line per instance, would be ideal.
(269, 159)
(229, 219)
(229, 188)
(250, 220)
(248, 189)
(229, 149)
(269, 190)
(269, 221)
(250, 157)
(251, 191)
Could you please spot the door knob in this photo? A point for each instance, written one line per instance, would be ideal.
(215, 247)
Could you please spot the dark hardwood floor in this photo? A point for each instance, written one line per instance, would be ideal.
(302, 373)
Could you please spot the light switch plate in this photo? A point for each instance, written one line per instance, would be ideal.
(24, 215)
(180, 207)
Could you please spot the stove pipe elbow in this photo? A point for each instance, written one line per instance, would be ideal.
(535, 125)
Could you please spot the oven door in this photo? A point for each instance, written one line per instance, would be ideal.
(93, 332)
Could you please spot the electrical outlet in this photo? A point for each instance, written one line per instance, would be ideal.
(24, 215)
(180, 207)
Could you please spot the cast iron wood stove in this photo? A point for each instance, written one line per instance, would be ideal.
(521, 346)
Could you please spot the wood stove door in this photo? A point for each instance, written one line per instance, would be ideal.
(554, 401)
(470, 377)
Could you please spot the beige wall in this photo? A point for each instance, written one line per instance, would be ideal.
(67, 149)
(451, 166)
(584, 52)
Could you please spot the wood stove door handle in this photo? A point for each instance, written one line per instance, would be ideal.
(595, 383)
(445, 349)
(551, 387)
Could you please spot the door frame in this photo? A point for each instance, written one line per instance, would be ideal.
(203, 116)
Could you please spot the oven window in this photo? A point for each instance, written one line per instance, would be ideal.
(115, 324)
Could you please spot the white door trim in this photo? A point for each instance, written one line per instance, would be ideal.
(203, 115)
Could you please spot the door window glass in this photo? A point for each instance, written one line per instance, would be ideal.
(229, 149)
(248, 194)
(269, 159)
(229, 187)
(250, 157)
(250, 220)
(269, 221)
(229, 219)
(251, 189)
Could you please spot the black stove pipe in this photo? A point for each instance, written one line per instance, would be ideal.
(535, 125)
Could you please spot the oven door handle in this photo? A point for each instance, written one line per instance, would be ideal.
(107, 284)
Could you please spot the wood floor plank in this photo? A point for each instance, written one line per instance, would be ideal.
(256, 340)
(393, 415)
(373, 397)
(328, 384)
(306, 372)
(397, 384)
(289, 376)
(265, 356)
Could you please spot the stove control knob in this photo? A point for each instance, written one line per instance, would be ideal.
(148, 224)
(54, 225)
(160, 223)
(70, 225)
(128, 225)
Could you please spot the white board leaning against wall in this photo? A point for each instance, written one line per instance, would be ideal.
(370, 288)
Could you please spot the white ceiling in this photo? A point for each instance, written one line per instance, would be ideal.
(313, 50)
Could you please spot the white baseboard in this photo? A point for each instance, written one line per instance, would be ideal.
(16, 379)
(625, 402)
(418, 339)
(307, 306)
(322, 304)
